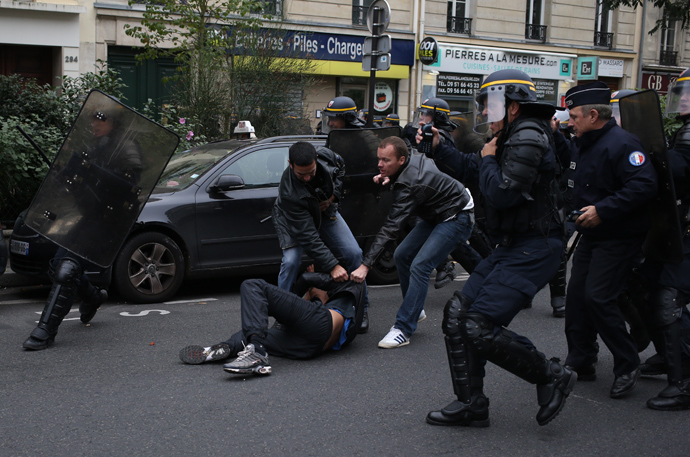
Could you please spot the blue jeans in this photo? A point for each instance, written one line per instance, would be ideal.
(425, 247)
(339, 239)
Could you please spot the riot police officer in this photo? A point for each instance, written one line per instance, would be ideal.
(611, 181)
(342, 114)
(515, 174)
(392, 120)
(672, 291)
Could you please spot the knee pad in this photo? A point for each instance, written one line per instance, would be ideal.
(455, 307)
(68, 272)
(668, 305)
(477, 331)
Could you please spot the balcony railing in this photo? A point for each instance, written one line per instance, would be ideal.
(603, 39)
(461, 25)
(535, 32)
(669, 58)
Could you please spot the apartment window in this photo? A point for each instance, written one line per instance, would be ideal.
(602, 26)
(458, 22)
(359, 11)
(270, 7)
(668, 55)
(534, 28)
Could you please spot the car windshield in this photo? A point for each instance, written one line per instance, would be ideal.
(186, 167)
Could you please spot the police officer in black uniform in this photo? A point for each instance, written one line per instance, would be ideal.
(392, 120)
(611, 180)
(672, 291)
(515, 174)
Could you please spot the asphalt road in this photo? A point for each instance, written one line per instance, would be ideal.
(117, 387)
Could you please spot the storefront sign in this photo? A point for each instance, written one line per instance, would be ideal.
(658, 82)
(428, 51)
(383, 96)
(321, 46)
(457, 84)
(484, 61)
(610, 67)
(546, 90)
(587, 68)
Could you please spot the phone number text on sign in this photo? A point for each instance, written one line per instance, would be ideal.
(454, 84)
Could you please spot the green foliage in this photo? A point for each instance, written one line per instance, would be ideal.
(675, 10)
(230, 68)
(671, 124)
(186, 128)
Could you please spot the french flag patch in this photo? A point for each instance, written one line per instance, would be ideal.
(637, 158)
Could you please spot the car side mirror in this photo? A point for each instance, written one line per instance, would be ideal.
(225, 183)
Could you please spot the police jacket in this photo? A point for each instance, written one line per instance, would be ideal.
(609, 169)
(511, 208)
(296, 214)
(420, 189)
(679, 163)
(335, 290)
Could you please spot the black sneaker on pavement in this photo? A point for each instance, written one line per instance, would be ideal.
(194, 355)
(249, 362)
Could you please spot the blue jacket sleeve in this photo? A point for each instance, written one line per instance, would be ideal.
(459, 165)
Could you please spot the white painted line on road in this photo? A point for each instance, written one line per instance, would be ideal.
(20, 302)
(189, 301)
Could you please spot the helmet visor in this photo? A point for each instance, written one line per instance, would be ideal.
(678, 98)
(490, 107)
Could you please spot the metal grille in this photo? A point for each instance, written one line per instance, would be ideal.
(535, 32)
(461, 25)
(603, 39)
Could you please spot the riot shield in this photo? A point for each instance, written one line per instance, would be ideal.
(100, 179)
(641, 115)
(366, 204)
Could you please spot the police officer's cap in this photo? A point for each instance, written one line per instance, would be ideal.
(518, 86)
(594, 93)
(340, 106)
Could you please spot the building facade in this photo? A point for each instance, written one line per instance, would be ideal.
(559, 43)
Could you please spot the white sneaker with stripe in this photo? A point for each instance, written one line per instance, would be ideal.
(395, 338)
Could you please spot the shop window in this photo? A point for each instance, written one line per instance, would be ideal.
(668, 55)
(457, 20)
(359, 11)
(602, 26)
(385, 94)
(534, 21)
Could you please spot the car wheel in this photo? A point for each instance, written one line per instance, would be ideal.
(384, 270)
(149, 269)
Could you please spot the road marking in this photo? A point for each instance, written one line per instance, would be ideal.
(189, 301)
(20, 302)
(458, 278)
(145, 312)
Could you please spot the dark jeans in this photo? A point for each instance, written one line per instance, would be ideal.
(598, 276)
(307, 325)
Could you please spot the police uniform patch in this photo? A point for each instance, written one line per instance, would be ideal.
(637, 158)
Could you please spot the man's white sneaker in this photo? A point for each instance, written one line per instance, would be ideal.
(395, 338)
(422, 316)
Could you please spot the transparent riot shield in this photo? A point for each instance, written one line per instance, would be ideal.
(365, 204)
(640, 114)
(100, 179)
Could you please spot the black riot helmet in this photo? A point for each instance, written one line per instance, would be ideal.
(439, 110)
(615, 107)
(345, 108)
(392, 120)
(497, 90)
(678, 99)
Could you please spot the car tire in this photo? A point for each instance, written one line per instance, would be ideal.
(384, 270)
(150, 268)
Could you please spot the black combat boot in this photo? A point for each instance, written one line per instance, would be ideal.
(676, 396)
(472, 414)
(91, 300)
(364, 328)
(551, 396)
(59, 304)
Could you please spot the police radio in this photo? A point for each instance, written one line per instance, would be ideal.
(426, 144)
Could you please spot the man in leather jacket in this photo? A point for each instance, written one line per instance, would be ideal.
(306, 215)
(327, 318)
(444, 208)
(515, 173)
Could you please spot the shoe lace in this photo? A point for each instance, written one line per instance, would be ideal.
(245, 353)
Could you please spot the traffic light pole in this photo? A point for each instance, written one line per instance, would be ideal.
(372, 73)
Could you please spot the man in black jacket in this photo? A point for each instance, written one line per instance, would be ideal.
(306, 215)
(328, 317)
(444, 208)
